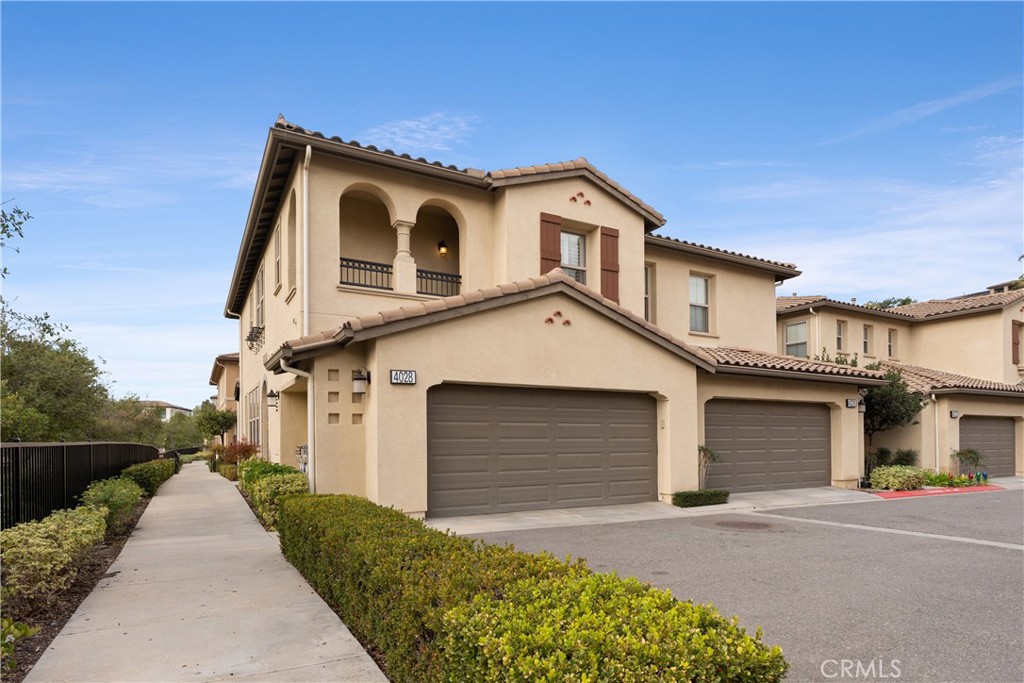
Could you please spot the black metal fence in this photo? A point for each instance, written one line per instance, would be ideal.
(38, 478)
(437, 284)
(365, 273)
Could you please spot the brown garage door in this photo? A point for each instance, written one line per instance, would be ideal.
(767, 445)
(993, 437)
(501, 449)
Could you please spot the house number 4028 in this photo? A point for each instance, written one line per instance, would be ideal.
(403, 377)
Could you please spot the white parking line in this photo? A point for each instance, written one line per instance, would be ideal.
(900, 532)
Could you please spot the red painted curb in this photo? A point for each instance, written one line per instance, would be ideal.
(936, 492)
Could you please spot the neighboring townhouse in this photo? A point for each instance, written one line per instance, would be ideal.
(962, 354)
(166, 410)
(224, 376)
(453, 341)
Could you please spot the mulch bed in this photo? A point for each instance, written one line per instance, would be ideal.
(51, 620)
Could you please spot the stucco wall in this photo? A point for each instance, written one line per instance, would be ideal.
(821, 334)
(742, 311)
(847, 430)
(512, 346)
(976, 345)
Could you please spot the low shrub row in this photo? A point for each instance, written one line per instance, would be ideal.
(229, 472)
(436, 607)
(118, 496)
(265, 482)
(898, 478)
(150, 475)
(689, 499)
(947, 479)
(40, 559)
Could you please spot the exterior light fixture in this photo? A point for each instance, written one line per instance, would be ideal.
(442, 248)
(861, 406)
(360, 378)
(954, 414)
(272, 398)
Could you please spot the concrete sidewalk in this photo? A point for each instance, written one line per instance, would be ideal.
(202, 593)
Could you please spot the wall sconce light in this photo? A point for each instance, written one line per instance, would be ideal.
(272, 399)
(954, 414)
(861, 406)
(442, 248)
(360, 378)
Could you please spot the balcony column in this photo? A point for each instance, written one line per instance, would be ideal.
(405, 264)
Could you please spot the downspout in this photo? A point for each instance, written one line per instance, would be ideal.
(817, 328)
(305, 244)
(935, 403)
(310, 421)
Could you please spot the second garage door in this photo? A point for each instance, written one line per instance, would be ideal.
(502, 449)
(993, 438)
(767, 445)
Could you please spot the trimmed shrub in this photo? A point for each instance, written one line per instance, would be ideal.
(904, 456)
(251, 470)
(391, 578)
(689, 499)
(40, 558)
(898, 478)
(599, 627)
(229, 472)
(10, 632)
(395, 584)
(149, 475)
(239, 452)
(119, 496)
(265, 492)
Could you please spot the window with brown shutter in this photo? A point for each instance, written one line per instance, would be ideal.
(610, 264)
(1016, 343)
(550, 242)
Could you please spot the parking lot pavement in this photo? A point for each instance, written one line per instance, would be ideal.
(939, 607)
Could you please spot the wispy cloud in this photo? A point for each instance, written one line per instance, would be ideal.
(923, 110)
(435, 132)
(728, 165)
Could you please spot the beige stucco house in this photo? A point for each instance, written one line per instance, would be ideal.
(224, 376)
(454, 341)
(962, 354)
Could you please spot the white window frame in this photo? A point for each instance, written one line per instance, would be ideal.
(649, 292)
(892, 343)
(840, 336)
(277, 259)
(259, 298)
(868, 345)
(577, 271)
(700, 303)
(794, 341)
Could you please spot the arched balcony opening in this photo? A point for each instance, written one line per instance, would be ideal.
(434, 245)
(366, 241)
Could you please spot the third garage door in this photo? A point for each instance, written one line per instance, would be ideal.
(767, 445)
(993, 438)
(501, 449)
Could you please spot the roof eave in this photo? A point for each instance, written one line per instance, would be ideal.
(978, 392)
(792, 374)
(965, 312)
(866, 310)
(781, 273)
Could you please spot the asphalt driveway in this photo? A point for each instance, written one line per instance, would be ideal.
(923, 589)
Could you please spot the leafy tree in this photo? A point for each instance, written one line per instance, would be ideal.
(11, 225)
(181, 431)
(20, 421)
(890, 406)
(128, 419)
(212, 422)
(891, 302)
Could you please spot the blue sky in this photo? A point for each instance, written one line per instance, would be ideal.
(877, 145)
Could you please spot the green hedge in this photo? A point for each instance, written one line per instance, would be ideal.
(598, 627)
(408, 593)
(251, 470)
(689, 499)
(266, 491)
(119, 496)
(149, 475)
(229, 472)
(898, 478)
(40, 558)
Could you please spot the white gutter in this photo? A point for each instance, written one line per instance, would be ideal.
(936, 404)
(817, 329)
(310, 421)
(305, 247)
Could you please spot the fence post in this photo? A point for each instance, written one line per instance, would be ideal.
(65, 495)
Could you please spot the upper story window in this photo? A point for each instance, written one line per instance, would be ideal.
(277, 259)
(259, 298)
(868, 346)
(796, 339)
(700, 304)
(649, 292)
(893, 343)
(574, 256)
(1015, 341)
(841, 335)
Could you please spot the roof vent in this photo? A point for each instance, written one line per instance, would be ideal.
(853, 299)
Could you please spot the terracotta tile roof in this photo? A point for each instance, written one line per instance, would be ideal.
(963, 304)
(694, 247)
(929, 380)
(748, 358)
(414, 310)
(787, 303)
